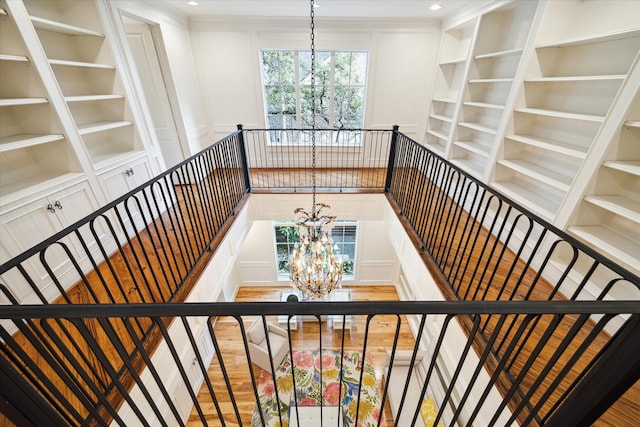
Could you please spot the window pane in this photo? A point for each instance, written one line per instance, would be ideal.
(278, 67)
(339, 103)
(351, 68)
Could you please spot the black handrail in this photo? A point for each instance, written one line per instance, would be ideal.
(531, 283)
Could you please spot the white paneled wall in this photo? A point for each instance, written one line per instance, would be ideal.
(401, 65)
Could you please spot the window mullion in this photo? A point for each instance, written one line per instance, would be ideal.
(298, 90)
(332, 88)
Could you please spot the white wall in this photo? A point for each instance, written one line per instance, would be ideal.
(376, 263)
(402, 56)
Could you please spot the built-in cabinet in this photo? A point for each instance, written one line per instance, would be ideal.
(565, 100)
(542, 113)
(608, 217)
(492, 68)
(66, 118)
(452, 67)
(35, 152)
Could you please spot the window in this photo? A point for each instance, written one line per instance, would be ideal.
(344, 234)
(340, 89)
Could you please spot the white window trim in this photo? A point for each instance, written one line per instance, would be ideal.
(285, 277)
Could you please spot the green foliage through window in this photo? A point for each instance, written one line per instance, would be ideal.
(344, 234)
(340, 83)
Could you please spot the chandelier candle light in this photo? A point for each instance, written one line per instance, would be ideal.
(315, 270)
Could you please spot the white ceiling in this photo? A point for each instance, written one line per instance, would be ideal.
(328, 8)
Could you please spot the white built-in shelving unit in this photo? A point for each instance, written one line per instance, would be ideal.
(566, 97)
(84, 67)
(68, 136)
(608, 217)
(493, 64)
(34, 151)
(539, 110)
(454, 51)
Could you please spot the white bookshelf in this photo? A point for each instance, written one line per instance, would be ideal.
(608, 217)
(455, 48)
(83, 64)
(494, 63)
(565, 101)
(31, 137)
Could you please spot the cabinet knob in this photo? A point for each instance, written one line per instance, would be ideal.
(57, 204)
(129, 172)
(50, 208)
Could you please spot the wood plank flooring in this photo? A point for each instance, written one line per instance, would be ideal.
(361, 180)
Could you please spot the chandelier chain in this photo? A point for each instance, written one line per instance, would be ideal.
(313, 108)
(315, 270)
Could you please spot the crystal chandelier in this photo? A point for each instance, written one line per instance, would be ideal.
(315, 270)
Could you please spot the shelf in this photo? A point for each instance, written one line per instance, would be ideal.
(561, 114)
(59, 27)
(479, 127)
(502, 53)
(453, 61)
(10, 102)
(632, 123)
(436, 148)
(102, 126)
(554, 179)
(17, 142)
(474, 147)
(627, 208)
(527, 198)
(105, 159)
(441, 118)
(481, 81)
(444, 100)
(437, 134)
(484, 105)
(550, 145)
(87, 98)
(630, 166)
(592, 38)
(468, 166)
(33, 184)
(14, 58)
(64, 63)
(603, 239)
(570, 79)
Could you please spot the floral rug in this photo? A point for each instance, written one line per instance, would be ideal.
(310, 391)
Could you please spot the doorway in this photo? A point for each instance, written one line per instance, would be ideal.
(141, 41)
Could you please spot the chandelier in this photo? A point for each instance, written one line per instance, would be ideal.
(315, 270)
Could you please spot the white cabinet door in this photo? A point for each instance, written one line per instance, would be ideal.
(34, 222)
(119, 181)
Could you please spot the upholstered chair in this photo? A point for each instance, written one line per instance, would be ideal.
(258, 344)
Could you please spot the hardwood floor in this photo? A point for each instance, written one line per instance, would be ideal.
(379, 339)
(290, 180)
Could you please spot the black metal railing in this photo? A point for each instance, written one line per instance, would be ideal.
(204, 372)
(156, 233)
(142, 248)
(489, 248)
(346, 159)
(93, 331)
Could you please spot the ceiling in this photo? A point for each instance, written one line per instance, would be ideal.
(327, 8)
